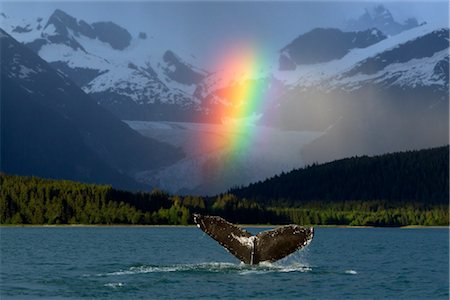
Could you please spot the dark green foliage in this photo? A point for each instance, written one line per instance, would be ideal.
(412, 176)
(32, 200)
(353, 213)
(391, 190)
(360, 213)
(239, 210)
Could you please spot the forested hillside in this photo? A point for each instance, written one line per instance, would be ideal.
(403, 177)
(32, 200)
(398, 189)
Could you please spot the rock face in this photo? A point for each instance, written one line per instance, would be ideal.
(119, 38)
(180, 71)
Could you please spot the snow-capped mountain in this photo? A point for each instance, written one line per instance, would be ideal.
(123, 73)
(392, 95)
(380, 17)
(325, 44)
(51, 128)
(399, 56)
(365, 92)
(419, 61)
(137, 78)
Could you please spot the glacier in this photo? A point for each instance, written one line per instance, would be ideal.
(206, 168)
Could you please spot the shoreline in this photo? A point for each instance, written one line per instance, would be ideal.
(193, 225)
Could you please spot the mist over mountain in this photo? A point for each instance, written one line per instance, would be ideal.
(378, 85)
(393, 99)
(380, 17)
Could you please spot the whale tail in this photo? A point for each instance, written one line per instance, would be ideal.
(270, 245)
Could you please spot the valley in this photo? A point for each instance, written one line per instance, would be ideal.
(212, 163)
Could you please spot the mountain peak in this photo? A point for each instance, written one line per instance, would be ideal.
(60, 23)
(380, 17)
(40, 103)
(63, 16)
(380, 12)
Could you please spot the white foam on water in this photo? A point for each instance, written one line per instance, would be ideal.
(296, 269)
(352, 272)
(212, 267)
(114, 285)
(267, 267)
(216, 267)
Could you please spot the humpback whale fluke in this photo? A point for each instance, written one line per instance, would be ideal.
(270, 245)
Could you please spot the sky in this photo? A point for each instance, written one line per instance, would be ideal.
(202, 27)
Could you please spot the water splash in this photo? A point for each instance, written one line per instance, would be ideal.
(213, 267)
(114, 285)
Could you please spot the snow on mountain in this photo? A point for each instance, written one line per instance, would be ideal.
(141, 79)
(180, 71)
(26, 30)
(325, 44)
(418, 72)
(43, 106)
(399, 66)
(130, 69)
(333, 73)
(137, 77)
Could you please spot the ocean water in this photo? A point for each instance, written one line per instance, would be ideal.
(184, 263)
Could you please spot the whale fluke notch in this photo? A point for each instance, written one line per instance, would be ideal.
(270, 245)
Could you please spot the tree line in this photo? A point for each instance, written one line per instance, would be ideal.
(411, 176)
(32, 200)
(408, 188)
(352, 213)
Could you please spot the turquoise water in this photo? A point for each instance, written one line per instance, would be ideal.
(184, 263)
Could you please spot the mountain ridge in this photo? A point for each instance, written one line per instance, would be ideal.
(152, 83)
(380, 17)
(325, 44)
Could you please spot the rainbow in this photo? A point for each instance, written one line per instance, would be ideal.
(244, 95)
